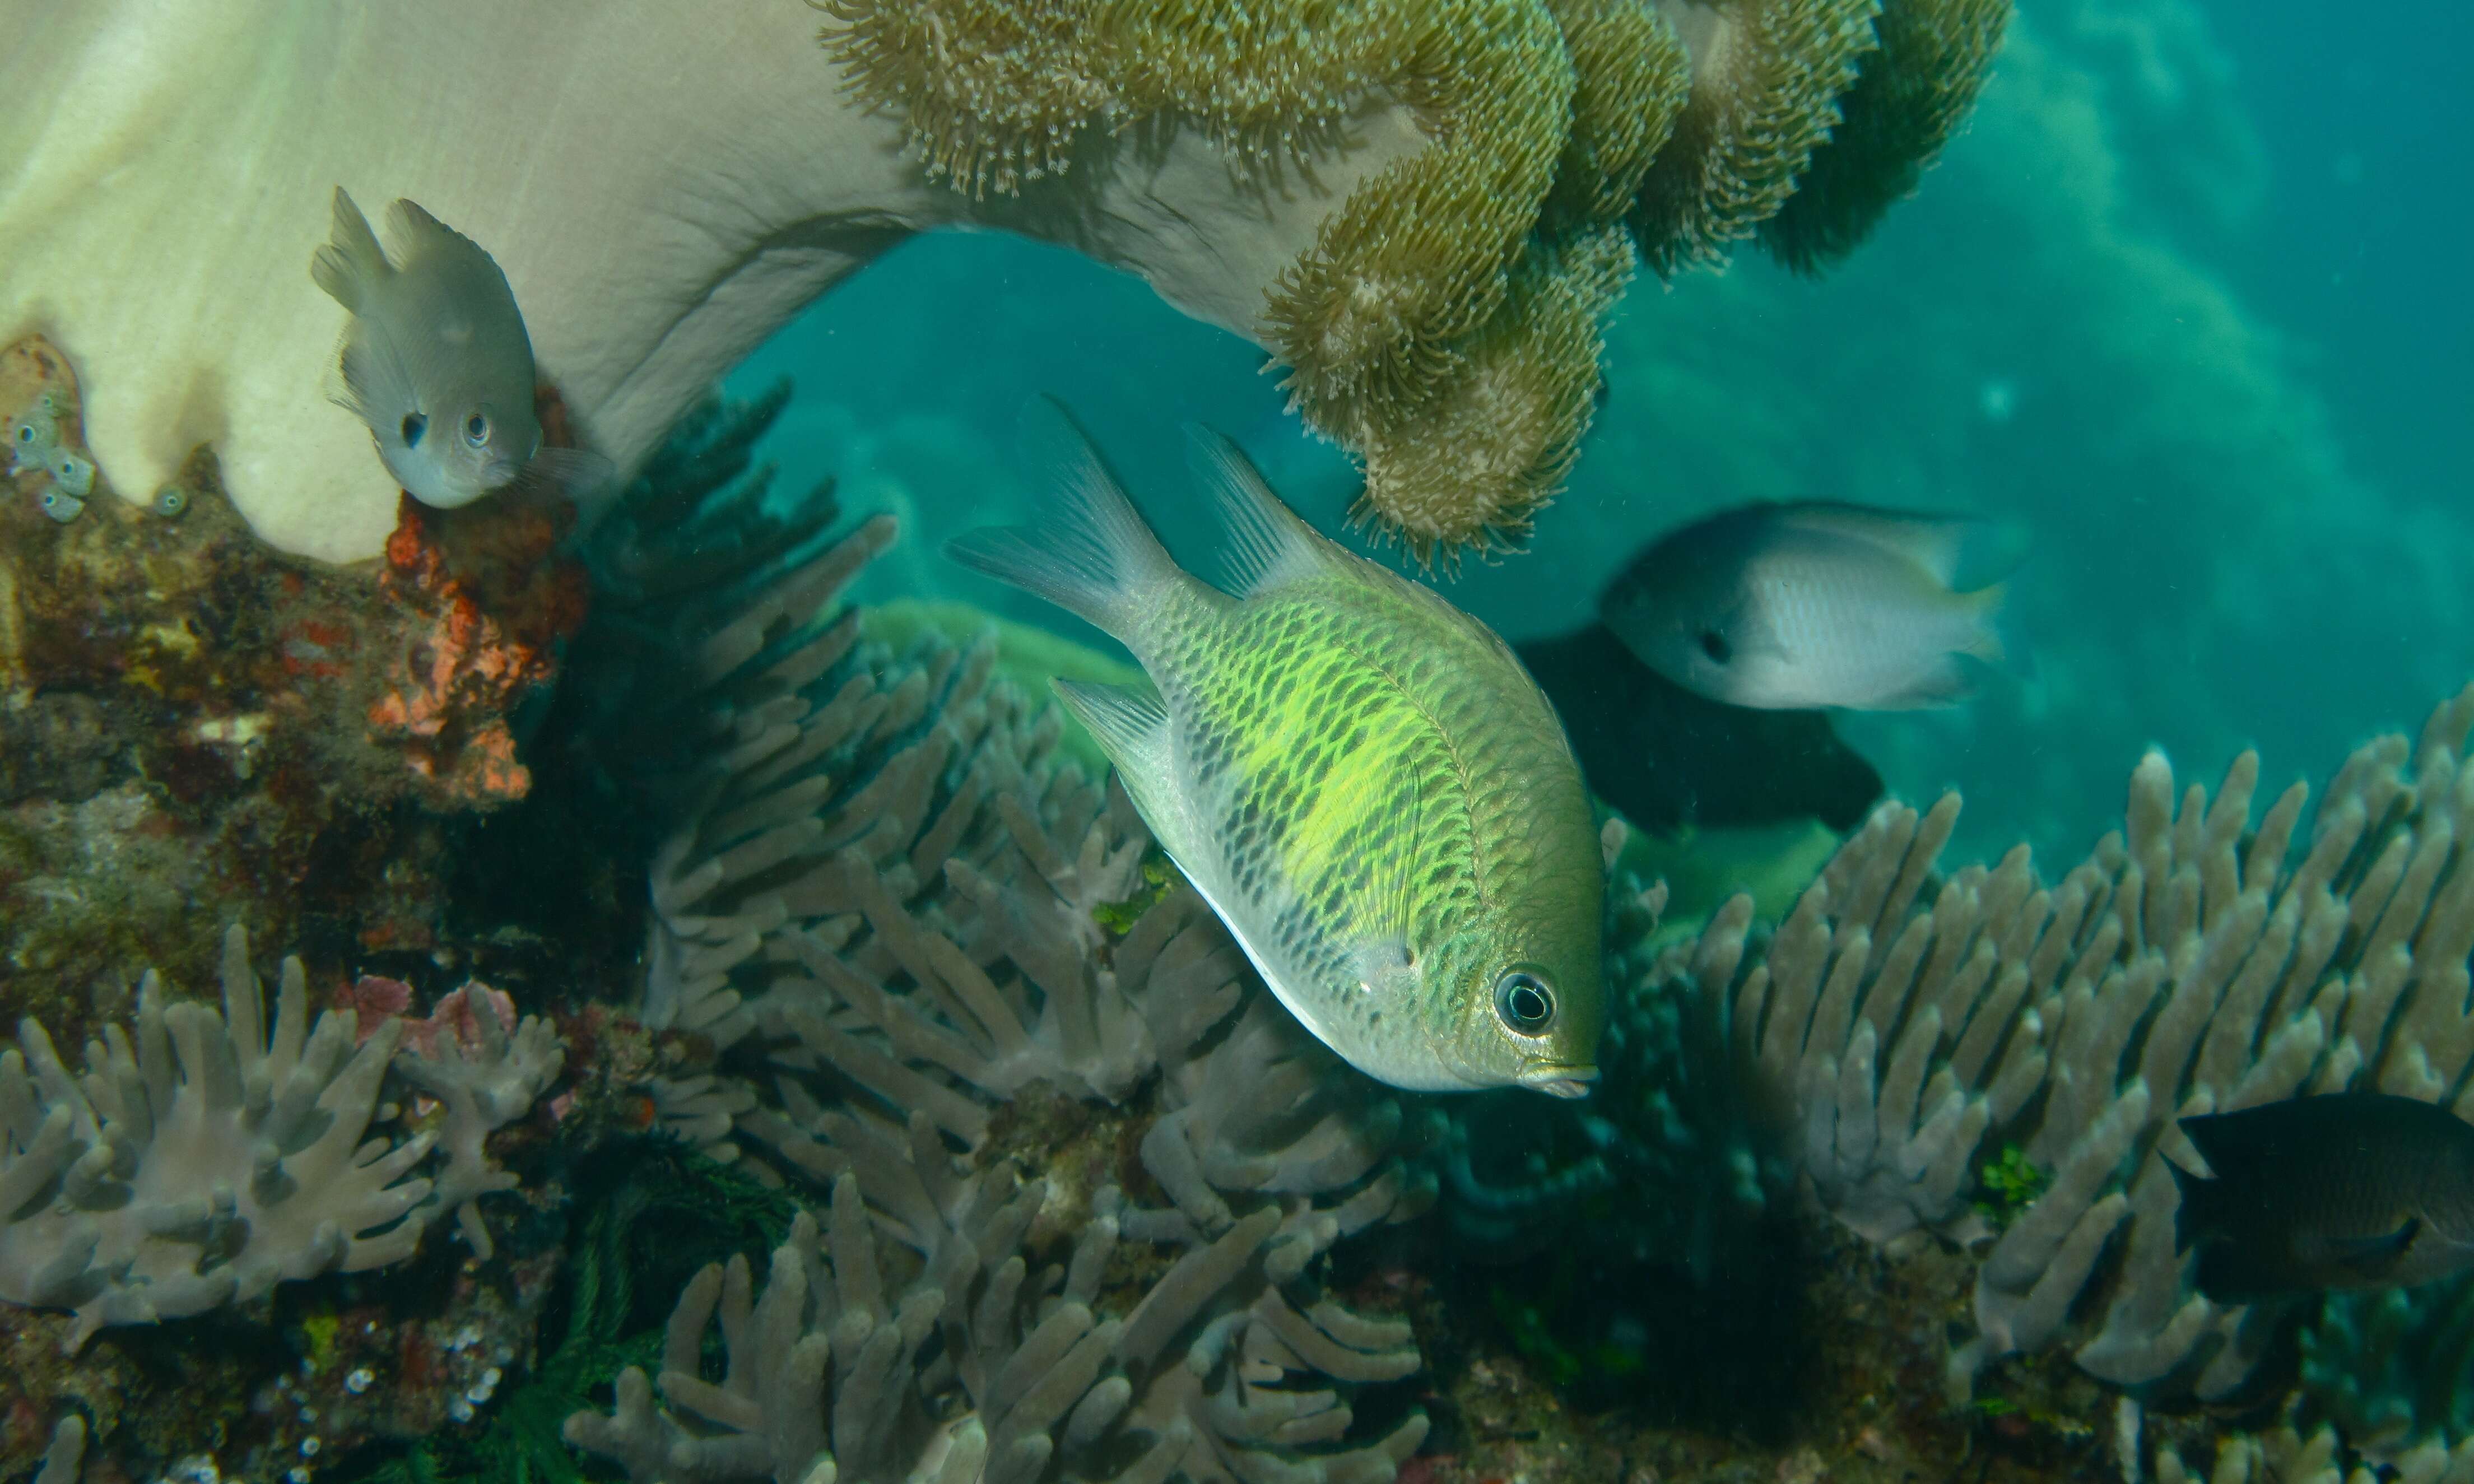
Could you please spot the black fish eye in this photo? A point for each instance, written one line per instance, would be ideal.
(1715, 645)
(476, 429)
(414, 425)
(1523, 1003)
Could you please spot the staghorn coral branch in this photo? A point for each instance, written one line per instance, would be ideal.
(2183, 968)
(202, 1161)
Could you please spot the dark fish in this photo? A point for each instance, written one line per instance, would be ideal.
(1665, 757)
(2347, 1190)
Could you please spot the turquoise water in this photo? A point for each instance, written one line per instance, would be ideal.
(699, 921)
(2184, 298)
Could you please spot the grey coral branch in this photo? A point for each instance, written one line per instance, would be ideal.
(201, 1161)
(484, 1090)
(1897, 1030)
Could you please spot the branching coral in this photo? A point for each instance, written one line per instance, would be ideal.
(1896, 1030)
(201, 1159)
(2389, 1367)
(831, 1375)
(485, 1086)
(202, 1162)
(899, 944)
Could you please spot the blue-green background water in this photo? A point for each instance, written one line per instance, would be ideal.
(2187, 298)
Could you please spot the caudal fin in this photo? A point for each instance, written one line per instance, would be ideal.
(1092, 554)
(346, 266)
(1996, 638)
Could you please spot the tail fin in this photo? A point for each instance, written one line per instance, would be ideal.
(2195, 1217)
(1997, 639)
(348, 264)
(1092, 554)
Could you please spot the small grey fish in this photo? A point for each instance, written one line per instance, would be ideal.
(436, 361)
(2345, 1190)
(1800, 606)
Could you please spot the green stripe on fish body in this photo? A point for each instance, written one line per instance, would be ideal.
(1361, 780)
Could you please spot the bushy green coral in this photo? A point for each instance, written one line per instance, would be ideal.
(2009, 1182)
(1444, 326)
(1910, 94)
(1159, 879)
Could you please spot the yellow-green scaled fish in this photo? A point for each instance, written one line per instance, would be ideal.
(1361, 779)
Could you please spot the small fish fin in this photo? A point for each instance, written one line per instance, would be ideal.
(1939, 684)
(1385, 969)
(1995, 638)
(1947, 547)
(334, 384)
(347, 265)
(2375, 1258)
(579, 476)
(2238, 1145)
(1092, 554)
(1379, 938)
(420, 234)
(2004, 643)
(1267, 545)
(377, 386)
(2195, 1218)
(1131, 724)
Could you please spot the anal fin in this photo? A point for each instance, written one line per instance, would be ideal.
(2375, 1258)
(1130, 723)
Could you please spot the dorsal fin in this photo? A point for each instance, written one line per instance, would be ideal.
(1268, 546)
(348, 264)
(1935, 542)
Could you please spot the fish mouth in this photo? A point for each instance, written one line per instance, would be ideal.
(1572, 1081)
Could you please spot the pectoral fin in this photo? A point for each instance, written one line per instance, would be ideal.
(2375, 1258)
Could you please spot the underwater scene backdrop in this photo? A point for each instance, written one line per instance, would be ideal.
(626, 970)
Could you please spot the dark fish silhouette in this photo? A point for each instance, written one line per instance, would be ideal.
(2347, 1190)
(1664, 757)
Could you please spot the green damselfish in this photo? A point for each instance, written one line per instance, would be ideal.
(1361, 780)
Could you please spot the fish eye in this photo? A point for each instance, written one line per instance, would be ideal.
(414, 425)
(1715, 645)
(170, 501)
(476, 429)
(1523, 1003)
